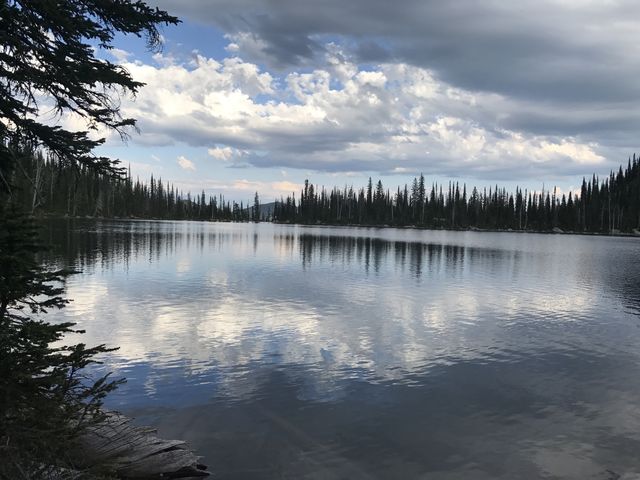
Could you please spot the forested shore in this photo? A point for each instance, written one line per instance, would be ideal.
(50, 186)
(607, 206)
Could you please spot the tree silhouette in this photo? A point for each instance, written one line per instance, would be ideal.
(604, 206)
(48, 60)
(256, 208)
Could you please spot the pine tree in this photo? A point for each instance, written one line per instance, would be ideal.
(256, 208)
(44, 399)
(48, 51)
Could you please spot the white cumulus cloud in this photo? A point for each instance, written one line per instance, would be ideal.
(392, 118)
(185, 163)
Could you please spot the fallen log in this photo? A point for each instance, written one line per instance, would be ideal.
(135, 452)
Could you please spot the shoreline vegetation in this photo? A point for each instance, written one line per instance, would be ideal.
(49, 405)
(50, 186)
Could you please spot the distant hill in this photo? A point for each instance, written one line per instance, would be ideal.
(266, 210)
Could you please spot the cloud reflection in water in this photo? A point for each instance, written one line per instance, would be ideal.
(438, 349)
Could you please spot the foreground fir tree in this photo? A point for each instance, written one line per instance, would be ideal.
(45, 400)
(48, 59)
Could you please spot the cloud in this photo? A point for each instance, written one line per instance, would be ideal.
(186, 164)
(226, 154)
(533, 49)
(221, 153)
(241, 188)
(564, 68)
(286, 187)
(119, 55)
(391, 118)
(484, 90)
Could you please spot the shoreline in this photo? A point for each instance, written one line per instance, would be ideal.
(555, 231)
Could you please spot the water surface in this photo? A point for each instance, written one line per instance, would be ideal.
(319, 353)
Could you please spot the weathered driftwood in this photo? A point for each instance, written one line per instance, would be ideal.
(136, 452)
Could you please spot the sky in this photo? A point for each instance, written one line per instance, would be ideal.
(259, 95)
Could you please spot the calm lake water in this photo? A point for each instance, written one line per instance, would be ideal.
(357, 353)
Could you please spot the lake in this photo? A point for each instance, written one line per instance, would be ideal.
(298, 352)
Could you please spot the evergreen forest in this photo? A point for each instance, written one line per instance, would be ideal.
(47, 185)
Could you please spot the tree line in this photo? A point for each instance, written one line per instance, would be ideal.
(606, 205)
(48, 184)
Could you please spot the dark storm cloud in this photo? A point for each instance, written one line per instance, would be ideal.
(564, 50)
(372, 52)
(533, 88)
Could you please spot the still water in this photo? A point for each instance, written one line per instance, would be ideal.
(319, 353)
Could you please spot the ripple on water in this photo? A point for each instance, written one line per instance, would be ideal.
(382, 353)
